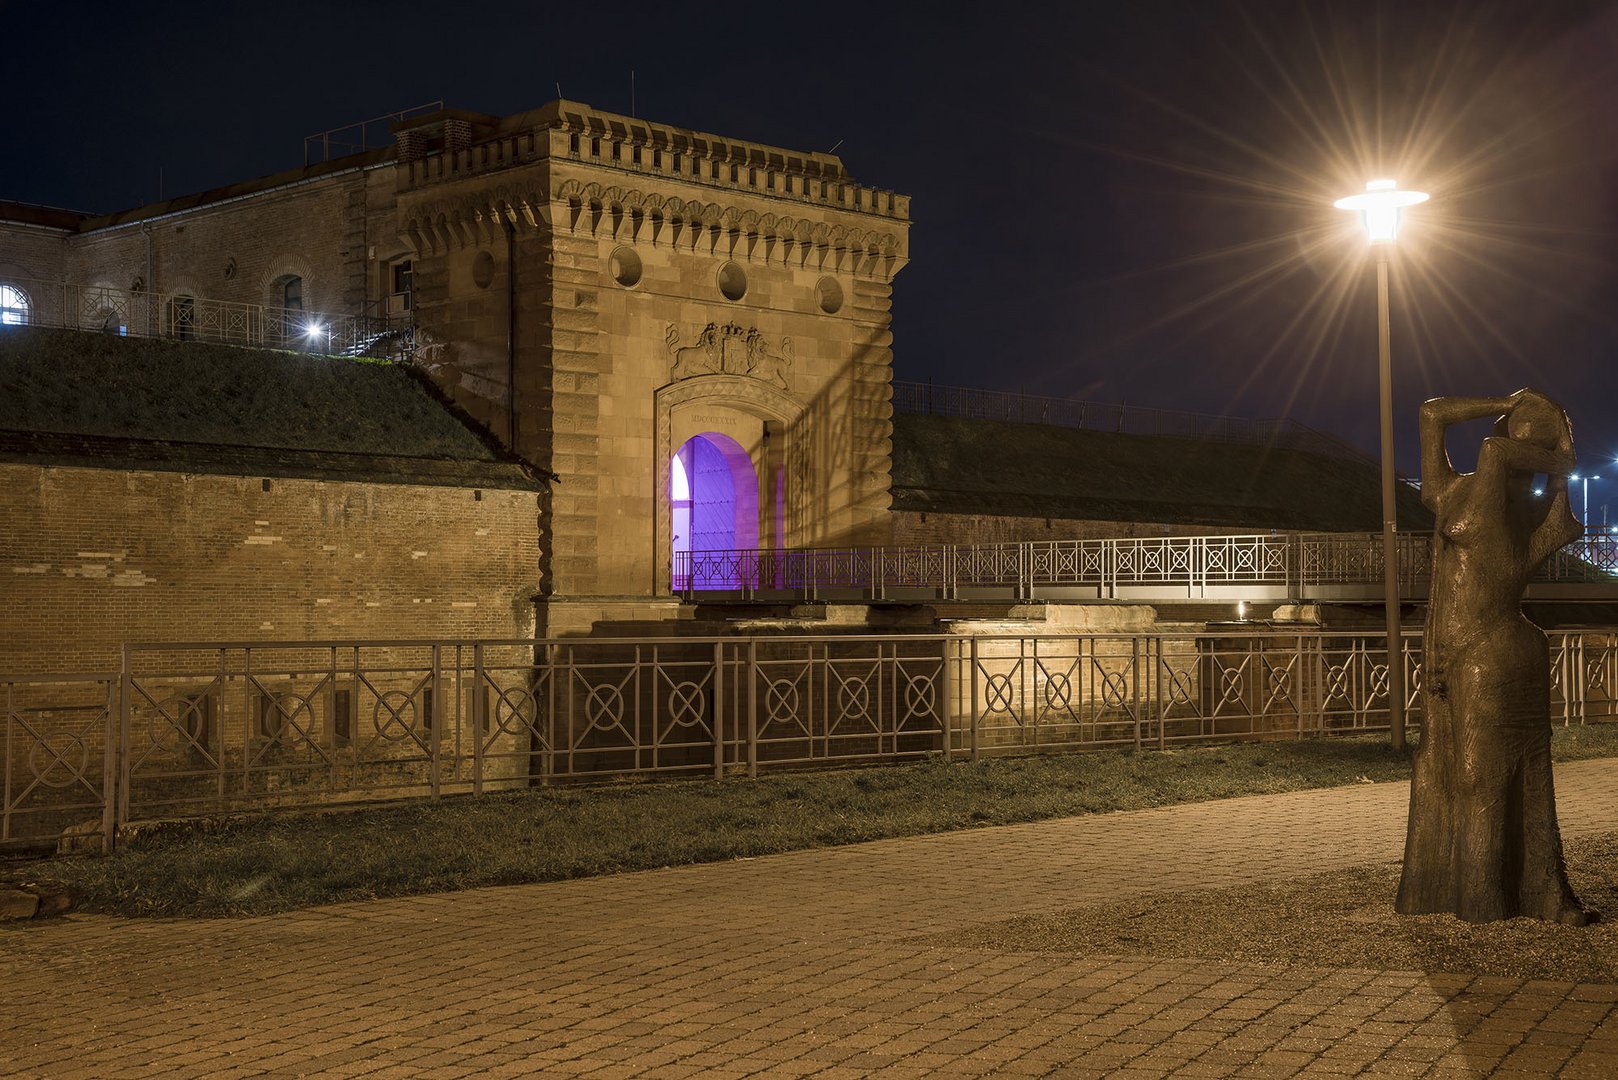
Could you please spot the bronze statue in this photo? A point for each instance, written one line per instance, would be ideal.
(1483, 841)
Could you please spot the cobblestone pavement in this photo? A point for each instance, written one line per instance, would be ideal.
(798, 965)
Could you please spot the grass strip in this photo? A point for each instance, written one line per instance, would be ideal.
(277, 862)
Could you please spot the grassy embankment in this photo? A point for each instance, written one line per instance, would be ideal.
(268, 863)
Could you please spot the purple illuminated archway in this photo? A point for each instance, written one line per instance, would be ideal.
(713, 491)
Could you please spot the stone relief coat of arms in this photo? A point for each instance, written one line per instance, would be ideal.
(730, 350)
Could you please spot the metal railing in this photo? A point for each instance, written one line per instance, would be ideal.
(209, 728)
(1297, 566)
(59, 770)
(360, 136)
(971, 403)
(182, 317)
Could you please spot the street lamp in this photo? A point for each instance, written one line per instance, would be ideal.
(1379, 207)
(1584, 502)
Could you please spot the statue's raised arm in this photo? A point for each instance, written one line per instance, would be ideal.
(1438, 476)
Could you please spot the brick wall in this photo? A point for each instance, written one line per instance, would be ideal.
(92, 558)
(322, 231)
(27, 251)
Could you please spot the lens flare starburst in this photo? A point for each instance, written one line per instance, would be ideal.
(1492, 116)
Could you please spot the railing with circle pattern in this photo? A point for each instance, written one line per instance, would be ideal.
(208, 728)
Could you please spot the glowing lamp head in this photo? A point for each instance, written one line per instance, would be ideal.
(1379, 208)
(313, 330)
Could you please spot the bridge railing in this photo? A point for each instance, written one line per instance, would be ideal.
(1299, 566)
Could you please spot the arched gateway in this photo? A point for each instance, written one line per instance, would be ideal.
(723, 443)
(714, 499)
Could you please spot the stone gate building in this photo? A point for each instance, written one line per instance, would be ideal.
(689, 333)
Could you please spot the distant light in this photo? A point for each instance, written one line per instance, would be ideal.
(1241, 609)
(313, 330)
(1379, 208)
(1539, 491)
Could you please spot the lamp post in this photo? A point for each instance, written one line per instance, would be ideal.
(1584, 502)
(1379, 206)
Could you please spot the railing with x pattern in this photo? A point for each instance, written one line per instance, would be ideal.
(1295, 566)
(210, 728)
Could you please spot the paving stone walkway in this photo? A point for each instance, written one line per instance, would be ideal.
(800, 965)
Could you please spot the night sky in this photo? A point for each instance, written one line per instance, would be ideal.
(1120, 201)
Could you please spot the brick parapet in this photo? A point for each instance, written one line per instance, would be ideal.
(572, 131)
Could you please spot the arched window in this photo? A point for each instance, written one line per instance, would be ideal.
(14, 305)
(108, 321)
(292, 293)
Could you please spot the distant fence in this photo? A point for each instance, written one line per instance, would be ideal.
(184, 317)
(190, 729)
(1251, 566)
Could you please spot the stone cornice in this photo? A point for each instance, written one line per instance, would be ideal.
(636, 216)
(474, 218)
(651, 217)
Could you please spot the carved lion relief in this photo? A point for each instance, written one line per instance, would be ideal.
(730, 350)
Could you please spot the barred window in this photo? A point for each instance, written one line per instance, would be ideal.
(401, 286)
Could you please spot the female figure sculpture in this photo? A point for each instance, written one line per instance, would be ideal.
(1483, 841)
